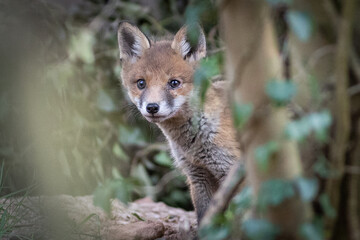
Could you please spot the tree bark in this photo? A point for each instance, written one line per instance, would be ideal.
(252, 58)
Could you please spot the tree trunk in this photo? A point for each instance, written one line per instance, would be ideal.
(252, 58)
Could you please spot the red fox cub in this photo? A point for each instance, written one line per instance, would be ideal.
(158, 76)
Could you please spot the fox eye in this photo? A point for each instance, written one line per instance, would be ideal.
(141, 83)
(174, 83)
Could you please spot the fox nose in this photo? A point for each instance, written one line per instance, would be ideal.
(152, 108)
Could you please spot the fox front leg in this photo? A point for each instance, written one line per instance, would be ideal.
(202, 187)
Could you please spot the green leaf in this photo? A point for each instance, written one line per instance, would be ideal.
(121, 190)
(277, 2)
(120, 153)
(218, 229)
(326, 206)
(280, 92)
(314, 87)
(104, 102)
(208, 68)
(163, 159)
(82, 47)
(214, 233)
(140, 173)
(308, 188)
(137, 216)
(241, 114)
(192, 14)
(259, 229)
(131, 136)
(102, 196)
(309, 232)
(117, 188)
(263, 154)
(242, 201)
(318, 123)
(297, 130)
(323, 168)
(300, 23)
(273, 192)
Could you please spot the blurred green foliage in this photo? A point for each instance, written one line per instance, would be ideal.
(65, 121)
(280, 92)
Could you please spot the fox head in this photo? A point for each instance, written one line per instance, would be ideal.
(158, 75)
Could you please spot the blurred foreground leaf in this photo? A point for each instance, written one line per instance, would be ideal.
(259, 229)
(163, 159)
(242, 201)
(309, 232)
(128, 136)
(117, 188)
(307, 187)
(300, 24)
(274, 191)
(263, 154)
(208, 68)
(326, 206)
(280, 92)
(105, 102)
(315, 122)
(241, 114)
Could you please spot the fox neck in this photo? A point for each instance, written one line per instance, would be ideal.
(179, 128)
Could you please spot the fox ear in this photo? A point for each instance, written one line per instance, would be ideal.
(190, 50)
(132, 42)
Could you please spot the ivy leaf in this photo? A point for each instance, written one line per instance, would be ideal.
(120, 153)
(259, 229)
(280, 92)
(300, 23)
(323, 167)
(318, 123)
(309, 232)
(298, 130)
(263, 154)
(105, 103)
(307, 188)
(122, 190)
(102, 196)
(242, 201)
(274, 191)
(131, 136)
(278, 2)
(116, 188)
(326, 206)
(241, 114)
(208, 68)
(163, 159)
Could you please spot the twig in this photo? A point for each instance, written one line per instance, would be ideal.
(352, 170)
(225, 193)
(163, 182)
(354, 90)
(145, 151)
(355, 63)
(342, 102)
(216, 50)
(353, 189)
(354, 60)
(98, 22)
